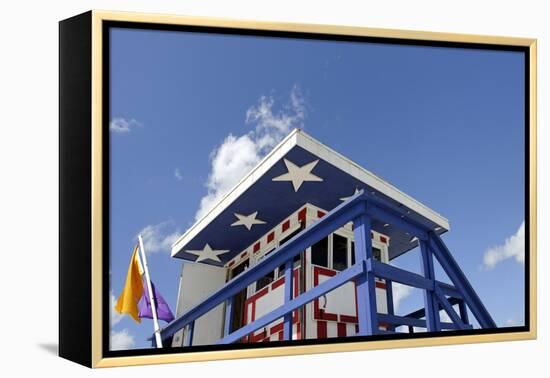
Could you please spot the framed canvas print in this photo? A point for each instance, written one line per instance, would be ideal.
(236, 189)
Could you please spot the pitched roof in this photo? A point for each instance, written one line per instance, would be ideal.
(291, 164)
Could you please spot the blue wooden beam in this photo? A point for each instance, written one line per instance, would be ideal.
(418, 314)
(389, 301)
(396, 320)
(451, 267)
(449, 290)
(190, 332)
(228, 316)
(395, 274)
(365, 284)
(463, 311)
(325, 287)
(432, 309)
(332, 221)
(449, 309)
(385, 215)
(401, 215)
(289, 287)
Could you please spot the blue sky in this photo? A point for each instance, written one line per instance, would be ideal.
(443, 125)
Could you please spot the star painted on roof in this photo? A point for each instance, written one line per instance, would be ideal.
(208, 253)
(347, 198)
(247, 220)
(298, 175)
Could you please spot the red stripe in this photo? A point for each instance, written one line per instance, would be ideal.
(302, 215)
(270, 237)
(342, 330)
(256, 247)
(348, 319)
(277, 328)
(380, 285)
(383, 239)
(320, 214)
(321, 330)
(231, 263)
(286, 225)
(278, 283)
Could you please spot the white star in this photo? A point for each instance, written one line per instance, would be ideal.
(207, 253)
(298, 175)
(347, 198)
(247, 220)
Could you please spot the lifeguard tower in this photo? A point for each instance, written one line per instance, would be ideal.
(300, 249)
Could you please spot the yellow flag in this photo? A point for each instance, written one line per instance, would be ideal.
(133, 289)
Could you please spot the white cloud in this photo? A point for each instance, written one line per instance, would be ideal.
(121, 340)
(121, 125)
(237, 155)
(513, 247)
(513, 323)
(159, 237)
(400, 292)
(115, 316)
(177, 174)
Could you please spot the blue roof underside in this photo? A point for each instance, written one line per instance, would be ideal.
(274, 201)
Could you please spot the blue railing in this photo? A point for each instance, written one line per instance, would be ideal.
(359, 209)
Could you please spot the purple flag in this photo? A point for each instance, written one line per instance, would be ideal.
(144, 305)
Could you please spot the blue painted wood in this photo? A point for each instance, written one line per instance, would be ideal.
(449, 309)
(289, 287)
(386, 215)
(358, 210)
(449, 290)
(463, 311)
(332, 221)
(395, 274)
(327, 286)
(389, 301)
(228, 316)
(365, 284)
(418, 314)
(432, 309)
(190, 332)
(401, 320)
(451, 267)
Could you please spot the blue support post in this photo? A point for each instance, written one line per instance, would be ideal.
(463, 310)
(228, 316)
(190, 331)
(365, 285)
(432, 308)
(289, 287)
(389, 300)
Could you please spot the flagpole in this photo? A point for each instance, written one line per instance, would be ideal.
(151, 294)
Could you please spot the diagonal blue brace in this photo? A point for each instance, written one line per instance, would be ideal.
(451, 267)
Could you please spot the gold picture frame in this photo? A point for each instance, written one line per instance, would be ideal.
(92, 25)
